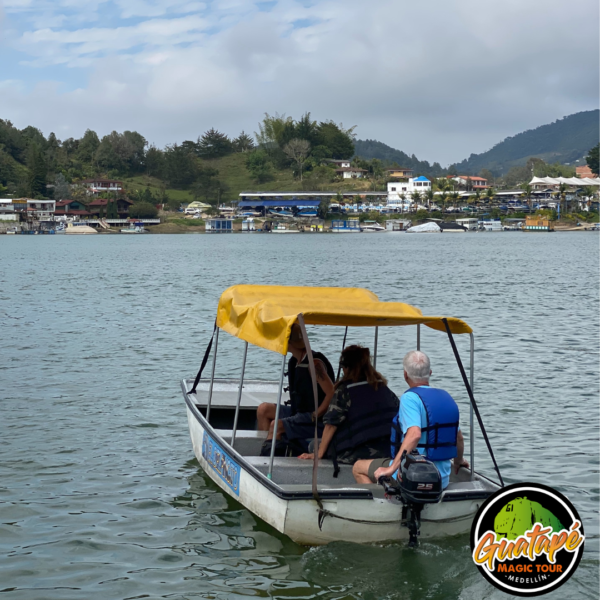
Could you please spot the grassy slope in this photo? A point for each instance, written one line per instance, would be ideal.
(232, 170)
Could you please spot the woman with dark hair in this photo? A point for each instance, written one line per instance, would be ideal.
(358, 420)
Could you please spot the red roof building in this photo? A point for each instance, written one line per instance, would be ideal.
(101, 204)
(584, 172)
(71, 207)
(476, 183)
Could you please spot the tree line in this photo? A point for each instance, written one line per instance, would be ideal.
(37, 166)
(45, 167)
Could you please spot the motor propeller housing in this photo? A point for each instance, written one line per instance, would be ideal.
(419, 483)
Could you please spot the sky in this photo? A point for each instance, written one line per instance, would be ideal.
(440, 79)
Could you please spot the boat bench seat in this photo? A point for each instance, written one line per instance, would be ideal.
(293, 471)
(247, 441)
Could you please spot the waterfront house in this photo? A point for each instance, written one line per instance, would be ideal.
(97, 186)
(42, 210)
(351, 172)
(71, 208)
(401, 172)
(470, 182)
(99, 205)
(339, 164)
(538, 223)
(219, 226)
(7, 210)
(396, 189)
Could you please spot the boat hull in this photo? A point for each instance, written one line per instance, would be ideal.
(353, 514)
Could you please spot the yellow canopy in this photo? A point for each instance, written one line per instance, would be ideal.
(263, 315)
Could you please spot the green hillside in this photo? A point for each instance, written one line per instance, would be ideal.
(292, 155)
(564, 141)
(235, 178)
(369, 149)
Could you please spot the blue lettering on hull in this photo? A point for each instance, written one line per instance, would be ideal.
(221, 462)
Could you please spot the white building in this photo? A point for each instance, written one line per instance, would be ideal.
(351, 172)
(7, 210)
(97, 186)
(397, 189)
(43, 210)
(339, 164)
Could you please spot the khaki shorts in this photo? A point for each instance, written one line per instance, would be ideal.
(376, 463)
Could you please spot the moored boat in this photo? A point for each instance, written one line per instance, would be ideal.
(302, 499)
(285, 228)
(429, 227)
(371, 227)
(135, 227)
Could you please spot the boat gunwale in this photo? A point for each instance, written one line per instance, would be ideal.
(353, 494)
(324, 494)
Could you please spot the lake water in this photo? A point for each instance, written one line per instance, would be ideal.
(100, 494)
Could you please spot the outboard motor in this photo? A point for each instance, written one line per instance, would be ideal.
(421, 483)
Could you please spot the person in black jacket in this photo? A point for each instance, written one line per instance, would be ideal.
(357, 423)
(297, 420)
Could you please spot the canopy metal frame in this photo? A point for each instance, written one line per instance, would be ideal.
(469, 384)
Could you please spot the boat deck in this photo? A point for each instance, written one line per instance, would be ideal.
(290, 473)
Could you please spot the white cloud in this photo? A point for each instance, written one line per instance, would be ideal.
(440, 79)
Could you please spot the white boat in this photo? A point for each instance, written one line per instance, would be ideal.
(11, 231)
(430, 227)
(490, 225)
(248, 224)
(302, 499)
(371, 227)
(74, 229)
(134, 228)
(285, 228)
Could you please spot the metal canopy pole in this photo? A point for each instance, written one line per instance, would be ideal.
(465, 379)
(239, 398)
(212, 377)
(418, 336)
(313, 376)
(375, 352)
(343, 346)
(274, 440)
(471, 414)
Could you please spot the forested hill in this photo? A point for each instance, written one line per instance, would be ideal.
(563, 141)
(369, 149)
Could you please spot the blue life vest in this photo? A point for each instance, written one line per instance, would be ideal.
(442, 424)
(368, 418)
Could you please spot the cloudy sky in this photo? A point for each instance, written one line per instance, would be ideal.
(437, 78)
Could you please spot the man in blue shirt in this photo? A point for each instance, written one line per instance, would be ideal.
(413, 418)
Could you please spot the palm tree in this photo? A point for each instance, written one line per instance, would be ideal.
(562, 194)
(455, 195)
(415, 197)
(430, 196)
(490, 193)
(441, 184)
(402, 197)
(588, 192)
(528, 191)
(443, 195)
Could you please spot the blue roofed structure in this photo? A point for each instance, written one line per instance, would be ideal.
(278, 203)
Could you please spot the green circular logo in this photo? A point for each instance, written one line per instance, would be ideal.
(527, 539)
